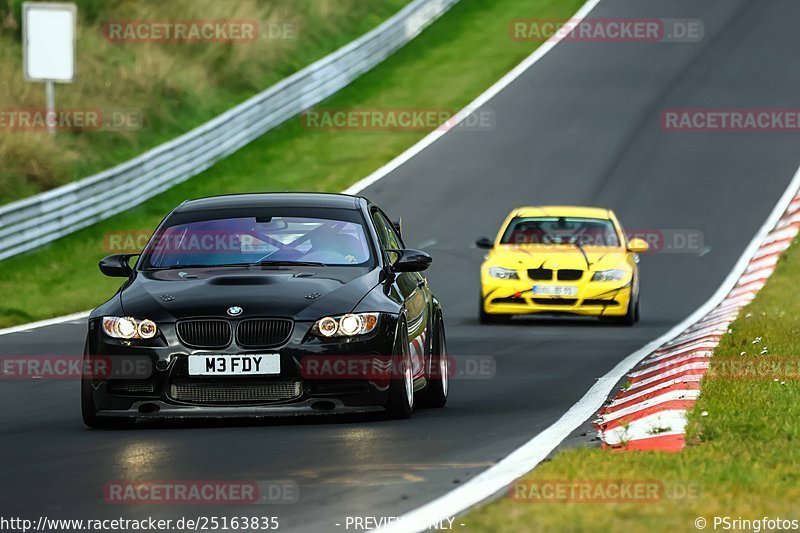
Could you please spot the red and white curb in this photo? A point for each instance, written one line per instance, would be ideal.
(650, 412)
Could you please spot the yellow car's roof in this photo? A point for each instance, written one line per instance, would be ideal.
(562, 211)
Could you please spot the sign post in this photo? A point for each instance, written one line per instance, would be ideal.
(48, 48)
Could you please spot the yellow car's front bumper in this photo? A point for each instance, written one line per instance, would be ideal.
(594, 298)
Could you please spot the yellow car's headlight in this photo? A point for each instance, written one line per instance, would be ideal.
(125, 327)
(609, 275)
(347, 325)
(503, 273)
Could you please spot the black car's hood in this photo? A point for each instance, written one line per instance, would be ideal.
(302, 293)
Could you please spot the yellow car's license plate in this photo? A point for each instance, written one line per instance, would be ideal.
(555, 290)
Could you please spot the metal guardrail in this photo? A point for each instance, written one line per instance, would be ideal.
(40, 219)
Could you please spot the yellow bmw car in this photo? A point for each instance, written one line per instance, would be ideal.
(561, 260)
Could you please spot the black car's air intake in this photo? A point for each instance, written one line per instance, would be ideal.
(207, 333)
(228, 392)
(263, 332)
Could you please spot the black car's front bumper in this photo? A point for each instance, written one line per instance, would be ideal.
(162, 392)
(159, 409)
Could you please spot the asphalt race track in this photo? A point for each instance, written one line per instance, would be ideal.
(580, 127)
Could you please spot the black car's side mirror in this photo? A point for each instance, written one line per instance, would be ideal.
(484, 243)
(411, 261)
(116, 266)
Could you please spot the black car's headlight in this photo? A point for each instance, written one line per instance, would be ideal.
(348, 325)
(609, 275)
(125, 327)
(503, 273)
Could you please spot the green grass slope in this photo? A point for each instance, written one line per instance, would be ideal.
(446, 67)
(166, 88)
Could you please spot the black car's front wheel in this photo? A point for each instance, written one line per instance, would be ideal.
(401, 389)
(435, 394)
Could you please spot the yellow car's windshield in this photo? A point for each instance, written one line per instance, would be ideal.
(561, 230)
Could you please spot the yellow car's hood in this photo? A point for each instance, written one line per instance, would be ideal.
(557, 257)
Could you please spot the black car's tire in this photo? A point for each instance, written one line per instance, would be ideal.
(400, 403)
(488, 318)
(435, 393)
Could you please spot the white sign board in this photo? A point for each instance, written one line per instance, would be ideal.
(48, 36)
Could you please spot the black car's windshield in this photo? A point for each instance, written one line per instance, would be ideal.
(259, 240)
(561, 230)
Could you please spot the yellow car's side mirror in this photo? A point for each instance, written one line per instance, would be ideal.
(484, 243)
(638, 246)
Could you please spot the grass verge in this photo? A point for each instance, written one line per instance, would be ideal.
(743, 438)
(158, 90)
(445, 68)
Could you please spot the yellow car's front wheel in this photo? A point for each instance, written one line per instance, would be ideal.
(490, 318)
(631, 317)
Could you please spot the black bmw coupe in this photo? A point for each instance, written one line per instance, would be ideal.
(267, 304)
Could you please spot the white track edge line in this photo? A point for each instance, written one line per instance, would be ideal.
(529, 455)
(386, 169)
(484, 97)
(43, 323)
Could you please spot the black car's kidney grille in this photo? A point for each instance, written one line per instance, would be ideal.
(221, 393)
(204, 333)
(570, 275)
(540, 274)
(263, 332)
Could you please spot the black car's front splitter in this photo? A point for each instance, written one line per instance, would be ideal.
(157, 409)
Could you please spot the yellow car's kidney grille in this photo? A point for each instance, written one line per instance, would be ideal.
(540, 274)
(569, 275)
(546, 274)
